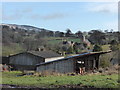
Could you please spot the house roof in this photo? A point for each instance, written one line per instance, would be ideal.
(75, 56)
(45, 54)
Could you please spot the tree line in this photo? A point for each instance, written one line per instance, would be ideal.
(31, 39)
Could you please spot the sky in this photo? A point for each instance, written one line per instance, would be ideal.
(58, 16)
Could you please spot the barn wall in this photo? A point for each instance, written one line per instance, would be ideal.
(25, 59)
(63, 66)
(24, 67)
(66, 66)
(5, 60)
(52, 59)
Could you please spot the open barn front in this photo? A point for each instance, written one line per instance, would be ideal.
(80, 66)
(87, 63)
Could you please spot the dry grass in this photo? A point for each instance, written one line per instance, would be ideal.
(47, 73)
(116, 67)
(105, 71)
(111, 70)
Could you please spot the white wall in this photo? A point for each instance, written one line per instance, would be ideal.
(52, 59)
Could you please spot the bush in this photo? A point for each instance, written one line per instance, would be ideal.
(70, 50)
(105, 60)
(113, 42)
(114, 47)
(97, 48)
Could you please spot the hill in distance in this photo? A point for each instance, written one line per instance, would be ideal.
(24, 27)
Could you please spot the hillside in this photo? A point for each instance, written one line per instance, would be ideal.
(15, 38)
(23, 27)
(18, 38)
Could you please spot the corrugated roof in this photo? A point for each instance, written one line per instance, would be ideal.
(75, 56)
(45, 54)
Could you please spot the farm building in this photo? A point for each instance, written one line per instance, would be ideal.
(5, 60)
(28, 60)
(48, 55)
(71, 64)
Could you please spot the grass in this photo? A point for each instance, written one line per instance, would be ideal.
(57, 40)
(98, 81)
(106, 47)
(11, 49)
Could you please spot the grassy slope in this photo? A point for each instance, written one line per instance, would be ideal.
(16, 48)
(99, 81)
(13, 49)
(52, 40)
(106, 47)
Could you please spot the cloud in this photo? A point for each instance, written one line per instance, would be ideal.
(53, 16)
(16, 14)
(103, 7)
(48, 17)
(28, 13)
(27, 10)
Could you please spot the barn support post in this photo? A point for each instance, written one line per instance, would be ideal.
(74, 65)
(97, 61)
(87, 65)
(94, 63)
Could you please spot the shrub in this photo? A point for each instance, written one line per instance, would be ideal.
(113, 42)
(114, 47)
(104, 63)
(97, 48)
(70, 50)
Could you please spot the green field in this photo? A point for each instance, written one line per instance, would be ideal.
(98, 80)
(57, 40)
(106, 47)
(11, 49)
(17, 48)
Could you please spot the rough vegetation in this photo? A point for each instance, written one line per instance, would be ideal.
(17, 40)
(21, 38)
(89, 80)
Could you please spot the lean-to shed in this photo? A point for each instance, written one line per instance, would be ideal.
(72, 64)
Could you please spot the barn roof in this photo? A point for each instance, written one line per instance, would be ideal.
(75, 56)
(45, 54)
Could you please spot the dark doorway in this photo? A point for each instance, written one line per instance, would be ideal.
(80, 65)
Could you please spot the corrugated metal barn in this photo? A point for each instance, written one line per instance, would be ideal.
(28, 60)
(72, 64)
(25, 61)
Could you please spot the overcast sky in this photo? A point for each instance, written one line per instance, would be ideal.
(84, 16)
